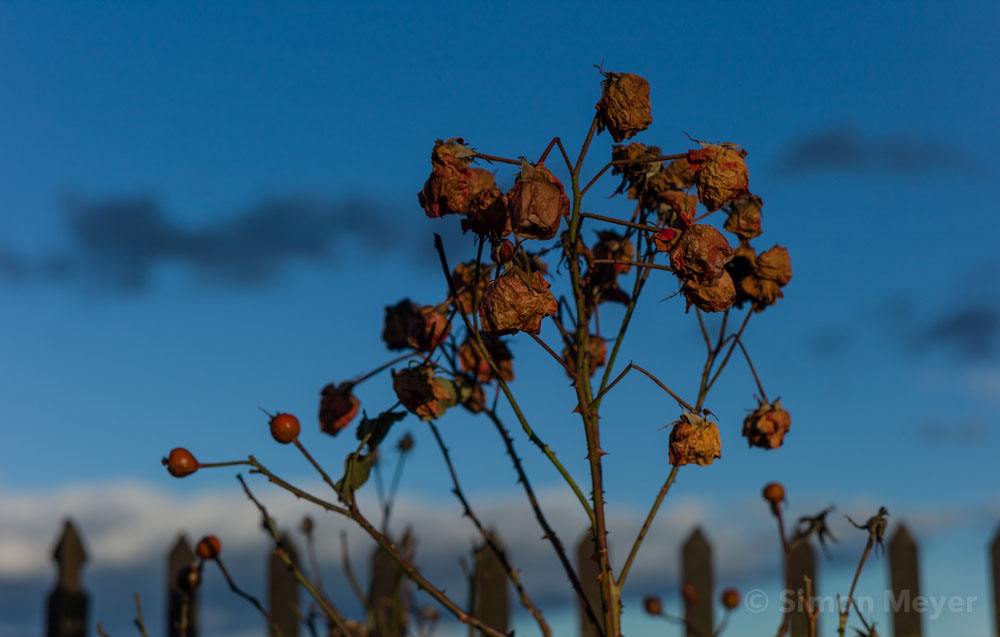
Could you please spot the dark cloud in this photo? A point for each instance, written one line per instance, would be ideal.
(968, 333)
(829, 342)
(119, 243)
(843, 149)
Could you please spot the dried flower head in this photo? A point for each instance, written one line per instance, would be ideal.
(665, 239)
(429, 326)
(397, 324)
(636, 166)
(744, 216)
(470, 395)
(453, 183)
(716, 296)
(337, 407)
(502, 251)
(472, 363)
(701, 253)
(694, 440)
(516, 301)
(759, 278)
(766, 426)
(678, 174)
(597, 353)
(720, 173)
(537, 203)
(624, 105)
(612, 245)
(422, 392)
(487, 214)
(466, 283)
(774, 264)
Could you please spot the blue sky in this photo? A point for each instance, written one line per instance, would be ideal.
(295, 139)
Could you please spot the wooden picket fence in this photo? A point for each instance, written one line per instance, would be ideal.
(489, 597)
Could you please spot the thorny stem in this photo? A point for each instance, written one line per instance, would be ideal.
(512, 573)
(616, 162)
(787, 551)
(345, 558)
(725, 360)
(645, 526)
(250, 598)
(683, 403)
(845, 613)
(502, 160)
(324, 604)
(620, 222)
(505, 388)
(704, 332)
(550, 533)
(212, 465)
(556, 142)
(638, 264)
(390, 500)
(552, 353)
(380, 368)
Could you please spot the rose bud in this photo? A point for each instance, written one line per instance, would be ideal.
(421, 392)
(611, 245)
(428, 327)
(597, 353)
(180, 463)
(516, 301)
(502, 251)
(701, 253)
(465, 282)
(767, 425)
(209, 547)
(730, 598)
(744, 217)
(653, 605)
(694, 440)
(720, 173)
(635, 167)
(716, 296)
(537, 203)
(624, 105)
(337, 407)
(471, 363)
(397, 324)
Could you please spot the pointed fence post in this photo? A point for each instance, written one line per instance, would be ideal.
(488, 589)
(67, 609)
(803, 564)
(387, 595)
(182, 607)
(905, 584)
(283, 590)
(995, 572)
(589, 571)
(696, 581)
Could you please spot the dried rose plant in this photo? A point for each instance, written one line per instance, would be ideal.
(454, 351)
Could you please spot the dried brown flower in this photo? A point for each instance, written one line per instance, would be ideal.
(612, 245)
(537, 203)
(775, 265)
(759, 278)
(422, 392)
(397, 324)
(465, 282)
(694, 440)
(337, 407)
(678, 174)
(636, 167)
(518, 300)
(487, 214)
(744, 216)
(597, 353)
(472, 363)
(429, 326)
(720, 173)
(701, 253)
(624, 105)
(453, 184)
(502, 251)
(716, 296)
(766, 426)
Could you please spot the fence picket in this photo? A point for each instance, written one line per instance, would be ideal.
(802, 564)
(696, 579)
(67, 606)
(904, 583)
(283, 590)
(182, 607)
(489, 595)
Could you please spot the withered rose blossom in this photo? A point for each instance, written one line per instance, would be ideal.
(472, 363)
(636, 167)
(720, 173)
(424, 394)
(665, 239)
(429, 325)
(487, 214)
(676, 208)
(767, 425)
(537, 203)
(744, 217)
(678, 174)
(597, 353)
(397, 324)
(518, 300)
(774, 264)
(452, 184)
(470, 394)
(612, 245)
(716, 296)
(701, 253)
(694, 440)
(337, 407)
(624, 105)
(464, 278)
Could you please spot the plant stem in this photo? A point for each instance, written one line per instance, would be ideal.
(645, 526)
